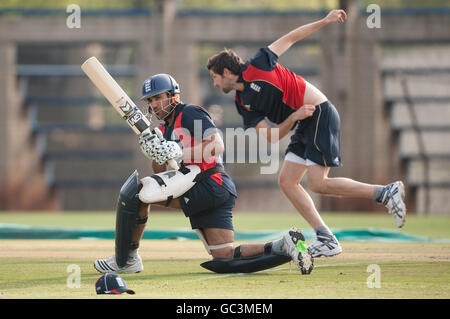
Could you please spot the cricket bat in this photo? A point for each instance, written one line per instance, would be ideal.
(121, 102)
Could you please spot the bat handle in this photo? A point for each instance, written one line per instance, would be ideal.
(173, 164)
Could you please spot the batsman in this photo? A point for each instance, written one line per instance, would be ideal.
(200, 188)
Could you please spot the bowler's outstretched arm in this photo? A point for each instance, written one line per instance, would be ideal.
(286, 41)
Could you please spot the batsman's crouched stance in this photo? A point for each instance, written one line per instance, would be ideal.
(132, 214)
(134, 195)
(201, 188)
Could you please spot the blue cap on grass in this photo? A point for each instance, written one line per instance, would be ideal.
(111, 284)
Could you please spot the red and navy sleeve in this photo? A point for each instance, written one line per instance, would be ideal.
(197, 120)
(251, 118)
(264, 59)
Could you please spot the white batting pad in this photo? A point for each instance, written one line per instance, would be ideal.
(160, 187)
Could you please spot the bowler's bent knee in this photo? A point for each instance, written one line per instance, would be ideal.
(318, 186)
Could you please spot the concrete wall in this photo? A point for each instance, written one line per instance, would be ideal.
(350, 76)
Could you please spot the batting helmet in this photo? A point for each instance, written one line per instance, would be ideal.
(159, 83)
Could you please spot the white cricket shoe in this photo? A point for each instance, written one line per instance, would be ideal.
(393, 199)
(134, 265)
(296, 248)
(325, 246)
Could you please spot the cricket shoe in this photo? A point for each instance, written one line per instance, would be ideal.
(296, 248)
(325, 245)
(393, 197)
(134, 265)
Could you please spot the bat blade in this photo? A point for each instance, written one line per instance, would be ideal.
(121, 102)
(112, 91)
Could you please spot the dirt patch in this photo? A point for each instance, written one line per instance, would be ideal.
(194, 249)
(395, 251)
(149, 249)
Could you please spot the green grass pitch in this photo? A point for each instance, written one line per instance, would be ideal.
(50, 268)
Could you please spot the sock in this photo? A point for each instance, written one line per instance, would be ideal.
(133, 250)
(324, 231)
(378, 193)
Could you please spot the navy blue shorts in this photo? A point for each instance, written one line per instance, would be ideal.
(317, 138)
(208, 205)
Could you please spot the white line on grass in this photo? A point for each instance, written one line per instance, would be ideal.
(269, 270)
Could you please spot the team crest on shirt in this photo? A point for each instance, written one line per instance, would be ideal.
(255, 87)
